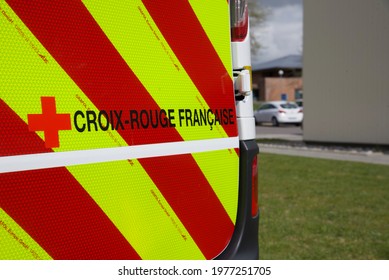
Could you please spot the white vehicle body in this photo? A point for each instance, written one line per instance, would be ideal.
(279, 112)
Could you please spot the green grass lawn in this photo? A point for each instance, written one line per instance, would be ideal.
(322, 209)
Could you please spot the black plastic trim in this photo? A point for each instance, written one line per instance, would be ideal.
(244, 242)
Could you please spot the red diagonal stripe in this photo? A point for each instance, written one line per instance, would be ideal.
(12, 135)
(85, 53)
(51, 206)
(200, 59)
(198, 206)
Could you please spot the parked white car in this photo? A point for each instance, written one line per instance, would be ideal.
(278, 112)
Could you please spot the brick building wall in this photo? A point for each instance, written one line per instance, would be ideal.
(276, 87)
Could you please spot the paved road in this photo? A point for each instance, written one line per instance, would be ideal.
(293, 134)
(366, 157)
(284, 132)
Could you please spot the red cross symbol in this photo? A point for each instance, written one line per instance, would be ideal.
(49, 122)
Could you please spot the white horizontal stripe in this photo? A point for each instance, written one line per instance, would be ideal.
(59, 159)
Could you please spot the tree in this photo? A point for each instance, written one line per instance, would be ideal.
(258, 16)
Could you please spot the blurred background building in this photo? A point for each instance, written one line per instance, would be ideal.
(279, 79)
(333, 56)
(346, 76)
